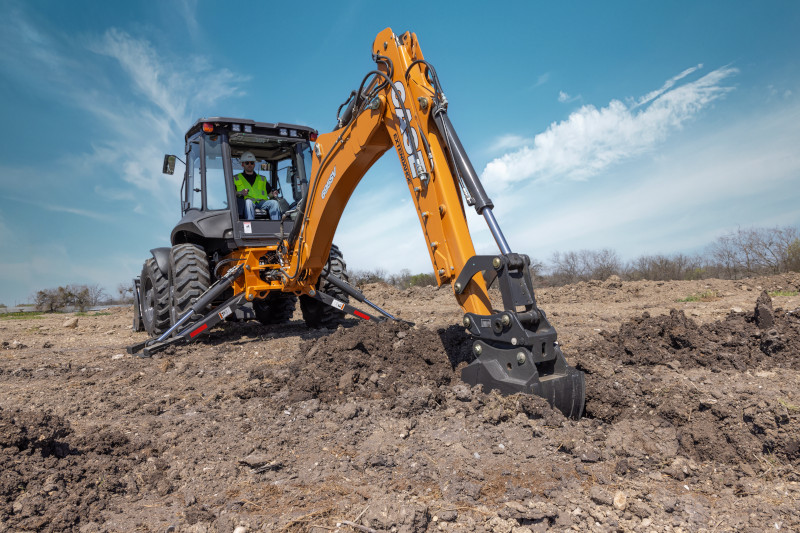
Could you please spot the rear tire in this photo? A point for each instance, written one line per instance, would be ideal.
(138, 325)
(317, 314)
(276, 308)
(155, 299)
(189, 278)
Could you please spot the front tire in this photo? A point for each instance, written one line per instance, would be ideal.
(317, 314)
(190, 277)
(155, 299)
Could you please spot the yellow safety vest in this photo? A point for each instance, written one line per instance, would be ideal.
(258, 190)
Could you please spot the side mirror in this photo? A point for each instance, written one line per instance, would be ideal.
(169, 164)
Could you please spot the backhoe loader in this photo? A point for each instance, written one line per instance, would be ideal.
(221, 264)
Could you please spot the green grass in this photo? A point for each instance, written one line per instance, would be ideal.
(23, 315)
(787, 405)
(783, 293)
(97, 313)
(708, 296)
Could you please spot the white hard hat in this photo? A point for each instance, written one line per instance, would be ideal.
(247, 156)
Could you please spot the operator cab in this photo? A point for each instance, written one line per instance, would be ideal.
(214, 147)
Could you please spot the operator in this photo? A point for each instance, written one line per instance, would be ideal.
(256, 190)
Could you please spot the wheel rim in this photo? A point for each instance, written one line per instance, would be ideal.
(149, 304)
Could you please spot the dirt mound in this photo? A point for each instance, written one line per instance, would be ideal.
(53, 479)
(373, 361)
(762, 338)
(650, 369)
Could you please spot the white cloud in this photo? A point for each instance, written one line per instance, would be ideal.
(669, 84)
(591, 139)
(508, 142)
(141, 103)
(43, 206)
(143, 129)
(744, 174)
(565, 98)
(542, 79)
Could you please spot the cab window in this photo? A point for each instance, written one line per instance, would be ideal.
(193, 198)
(216, 197)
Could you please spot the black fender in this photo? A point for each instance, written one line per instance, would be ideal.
(161, 255)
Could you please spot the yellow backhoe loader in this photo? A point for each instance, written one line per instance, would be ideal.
(230, 257)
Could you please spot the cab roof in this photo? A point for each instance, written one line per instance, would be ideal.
(278, 129)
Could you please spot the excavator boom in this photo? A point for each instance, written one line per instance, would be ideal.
(401, 104)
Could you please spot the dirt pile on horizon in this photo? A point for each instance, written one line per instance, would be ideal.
(760, 339)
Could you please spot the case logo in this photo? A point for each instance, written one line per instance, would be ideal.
(328, 183)
(414, 158)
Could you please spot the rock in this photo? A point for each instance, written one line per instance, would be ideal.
(587, 453)
(764, 315)
(601, 496)
(348, 411)
(448, 515)
(680, 469)
(462, 392)
(640, 509)
(620, 500)
(346, 381)
(255, 460)
(498, 525)
(71, 323)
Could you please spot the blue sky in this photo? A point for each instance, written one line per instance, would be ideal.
(645, 127)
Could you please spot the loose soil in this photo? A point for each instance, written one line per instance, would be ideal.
(692, 421)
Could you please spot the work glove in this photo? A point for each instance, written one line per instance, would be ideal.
(242, 193)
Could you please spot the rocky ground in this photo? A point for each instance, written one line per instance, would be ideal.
(692, 421)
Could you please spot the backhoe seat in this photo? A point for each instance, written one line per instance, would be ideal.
(261, 214)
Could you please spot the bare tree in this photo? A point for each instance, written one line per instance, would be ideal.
(793, 256)
(78, 296)
(754, 251)
(96, 294)
(584, 265)
(125, 291)
(663, 268)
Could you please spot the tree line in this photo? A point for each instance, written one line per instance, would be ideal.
(79, 297)
(740, 254)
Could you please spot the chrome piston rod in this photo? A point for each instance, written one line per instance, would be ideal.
(497, 233)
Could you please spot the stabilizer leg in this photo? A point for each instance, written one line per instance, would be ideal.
(152, 346)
